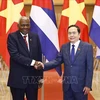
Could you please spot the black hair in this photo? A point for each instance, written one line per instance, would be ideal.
(78, 29)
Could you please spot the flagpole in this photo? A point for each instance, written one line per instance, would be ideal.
(42, 90)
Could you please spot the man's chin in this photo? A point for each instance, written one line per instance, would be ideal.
(25, 32)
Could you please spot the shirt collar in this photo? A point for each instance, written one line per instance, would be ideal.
(23, 34)
(76, 44)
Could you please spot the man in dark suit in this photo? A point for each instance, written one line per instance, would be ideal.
(25, 50)
(77, 57)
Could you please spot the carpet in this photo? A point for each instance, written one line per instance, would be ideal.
(53, 87)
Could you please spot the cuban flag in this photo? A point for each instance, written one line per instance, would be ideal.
(43, 22)
(95, 27)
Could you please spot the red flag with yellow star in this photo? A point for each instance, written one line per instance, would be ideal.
(73, 13)
(10, 12)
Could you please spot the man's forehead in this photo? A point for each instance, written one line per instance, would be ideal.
(72, 29)
(24, 18)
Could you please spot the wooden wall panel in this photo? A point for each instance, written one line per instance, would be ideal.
(89, 9)
(27, 9)
(60, 2)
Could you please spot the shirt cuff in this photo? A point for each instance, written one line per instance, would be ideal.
(41, 81)
(33, 62)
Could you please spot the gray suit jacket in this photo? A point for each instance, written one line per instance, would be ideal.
(79, 73)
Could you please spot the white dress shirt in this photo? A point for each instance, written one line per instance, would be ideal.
(75, 47)
(27, 39)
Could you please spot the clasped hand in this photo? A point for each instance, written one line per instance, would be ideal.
(38, 65)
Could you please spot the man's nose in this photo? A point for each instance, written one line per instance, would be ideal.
(71, 34)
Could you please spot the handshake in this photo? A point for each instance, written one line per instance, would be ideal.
(38, 65)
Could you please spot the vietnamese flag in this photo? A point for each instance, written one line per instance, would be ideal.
(73, 13)
(10, 12)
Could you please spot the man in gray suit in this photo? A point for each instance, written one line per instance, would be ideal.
(77, 57)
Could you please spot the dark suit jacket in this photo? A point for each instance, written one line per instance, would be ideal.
(80, 72)
(21, 73)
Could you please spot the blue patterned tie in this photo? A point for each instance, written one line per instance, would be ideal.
(72, 53)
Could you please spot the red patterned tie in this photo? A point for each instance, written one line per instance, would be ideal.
(25, 40)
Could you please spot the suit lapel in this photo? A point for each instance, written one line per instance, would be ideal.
(30, 43)
(79, 49)
(67, 52)
(22, 42)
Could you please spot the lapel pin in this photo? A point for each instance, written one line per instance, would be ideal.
(78, 48)
(30, 39)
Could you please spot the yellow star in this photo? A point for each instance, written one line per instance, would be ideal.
(11, 13)
(74, 12)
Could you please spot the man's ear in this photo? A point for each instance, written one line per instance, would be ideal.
(18, 26)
